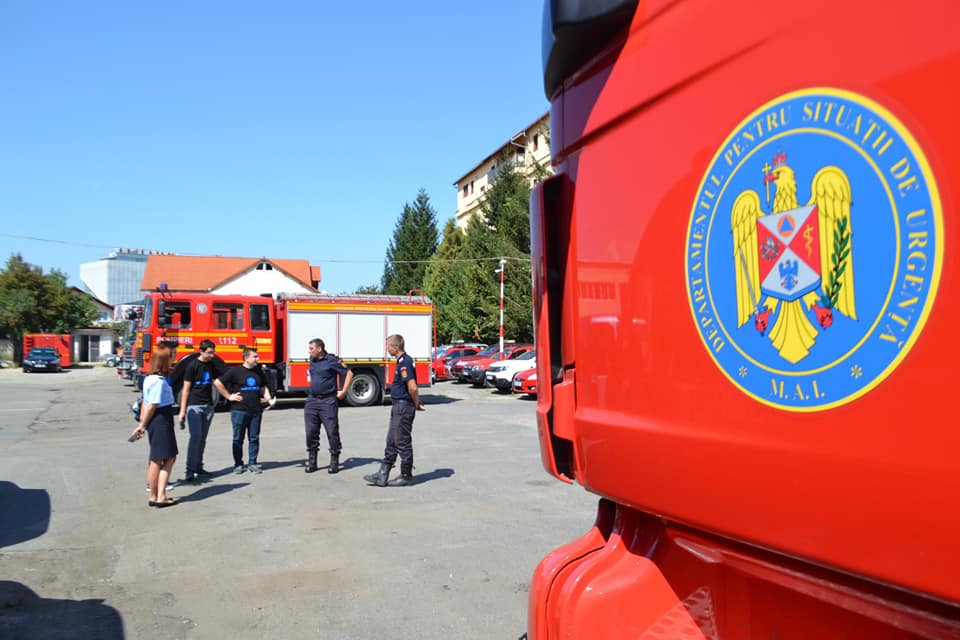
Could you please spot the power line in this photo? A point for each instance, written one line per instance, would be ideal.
(319, 261)
(54, 241)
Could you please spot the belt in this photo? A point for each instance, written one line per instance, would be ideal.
(321, 396)
(403, 400)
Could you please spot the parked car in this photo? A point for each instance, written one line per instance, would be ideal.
(501, 374)
(525, 382)
(110, 359)
(446, 357)
(476, 370)
(41, 359)
(456, 366)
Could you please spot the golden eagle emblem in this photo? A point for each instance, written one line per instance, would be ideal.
(794, 259)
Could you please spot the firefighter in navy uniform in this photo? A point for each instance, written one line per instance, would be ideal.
(321, 406)
(406, 403)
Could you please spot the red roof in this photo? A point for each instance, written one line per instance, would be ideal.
(205, 273)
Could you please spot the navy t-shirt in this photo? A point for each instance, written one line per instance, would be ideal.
(201, 375)
(324, 373)
(405, 371)
(250, 384)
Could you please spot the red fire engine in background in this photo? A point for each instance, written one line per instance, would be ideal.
(353, 327)
(746, 308)
(59, 341)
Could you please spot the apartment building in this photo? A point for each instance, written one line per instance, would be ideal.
(527, 149)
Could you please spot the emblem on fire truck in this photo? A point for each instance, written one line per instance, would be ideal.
(814, 250)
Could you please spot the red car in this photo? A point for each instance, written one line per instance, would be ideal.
(526, 382)
(475, 369)
(441, 364)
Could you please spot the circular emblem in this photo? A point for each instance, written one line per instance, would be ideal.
(814, 250)
(201, 308)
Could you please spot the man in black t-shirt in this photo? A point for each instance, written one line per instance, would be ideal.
(244, 386)
(197, 401)
(405, 400)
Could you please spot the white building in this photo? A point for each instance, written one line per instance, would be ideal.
(528, 150)
(115, 278)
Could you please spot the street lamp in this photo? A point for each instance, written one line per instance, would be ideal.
(501, 270)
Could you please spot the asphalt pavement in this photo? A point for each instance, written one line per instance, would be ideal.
(282, 554)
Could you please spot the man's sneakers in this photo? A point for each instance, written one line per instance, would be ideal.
(253, 467)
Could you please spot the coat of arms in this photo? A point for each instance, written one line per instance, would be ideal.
(794, 261)
(804, 299)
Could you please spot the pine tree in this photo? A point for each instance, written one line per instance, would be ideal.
(506, 206)
(443, 284)
(413, 244)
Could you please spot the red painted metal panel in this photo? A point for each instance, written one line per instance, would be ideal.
(804, 472)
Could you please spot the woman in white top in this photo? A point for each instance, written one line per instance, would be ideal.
(156, 420)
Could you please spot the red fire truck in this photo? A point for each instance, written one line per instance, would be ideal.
(354, 327)
(746, 302)
(59, 341)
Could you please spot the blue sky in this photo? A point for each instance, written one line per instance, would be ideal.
(283, 129)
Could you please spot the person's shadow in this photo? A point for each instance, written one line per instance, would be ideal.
(436, 474)
(202, 493)
(26, 616)
(25, 515)
(352, 463)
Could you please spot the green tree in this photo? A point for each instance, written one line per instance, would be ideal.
(506, 205)
(23, 294)
(31, 301)
(413, 244)
(368, 289)
(442, 282)
(501, 229)
(79, 311)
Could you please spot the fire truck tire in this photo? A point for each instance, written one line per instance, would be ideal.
(364, 390)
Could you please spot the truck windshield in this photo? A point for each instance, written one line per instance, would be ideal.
(146, 321)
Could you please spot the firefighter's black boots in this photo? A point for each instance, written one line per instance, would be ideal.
(380, 477)
(311, 462)
(334, 463)
(405, 479)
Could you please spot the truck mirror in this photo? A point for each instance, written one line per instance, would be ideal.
(162, 319)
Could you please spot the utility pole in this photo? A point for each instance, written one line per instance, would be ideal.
(501, 270)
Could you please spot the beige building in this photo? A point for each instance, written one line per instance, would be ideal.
(528, 149)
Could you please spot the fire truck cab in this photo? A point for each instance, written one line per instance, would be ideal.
(754, 214)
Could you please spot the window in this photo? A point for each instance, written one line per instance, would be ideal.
(536, 141)
(228, 316)
(178, 314)
(466, 188)
(264, 266)
(259, 317)
(147, 313)
(471, 187)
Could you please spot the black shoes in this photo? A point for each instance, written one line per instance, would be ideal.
(380, 477)
(311, 462)
(405, 480)
(334, 463)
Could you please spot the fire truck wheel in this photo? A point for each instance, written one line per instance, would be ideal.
(364, 390)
